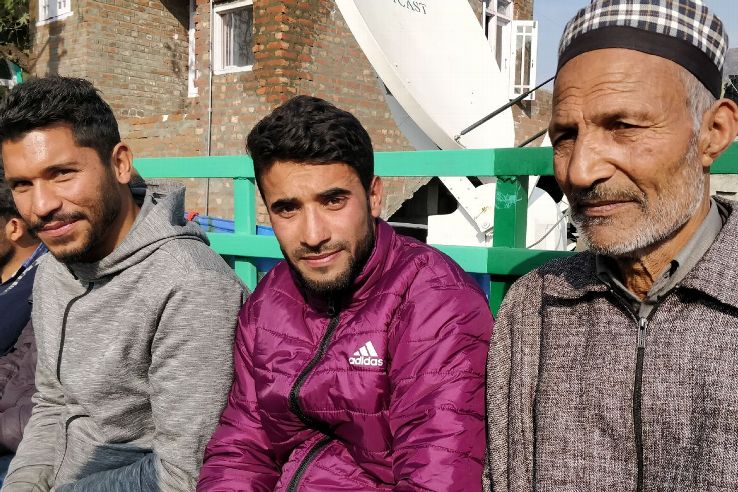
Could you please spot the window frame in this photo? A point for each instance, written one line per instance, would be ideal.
(218, 11)
(59, 13)
(504, 44)
(495, 19)
(529, 64)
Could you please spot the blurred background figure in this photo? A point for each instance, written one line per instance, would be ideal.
(20, 252)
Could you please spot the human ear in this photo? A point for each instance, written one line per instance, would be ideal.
(14, 229)
(375, 196)
(718, 130)
(122, 163)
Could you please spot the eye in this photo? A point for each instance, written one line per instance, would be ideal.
(563, 138)
(335, 202)
(20, 186)
(623, 125)
(285, 210)
(63, 174)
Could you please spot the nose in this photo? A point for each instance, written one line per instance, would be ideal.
(316, 228)
(585, 163)
(44, 201)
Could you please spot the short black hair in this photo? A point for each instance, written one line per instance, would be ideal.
(50, 100)
(7, 205)
(311, 130)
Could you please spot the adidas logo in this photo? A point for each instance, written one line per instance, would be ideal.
(366, 356)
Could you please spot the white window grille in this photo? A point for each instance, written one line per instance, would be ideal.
(51, 10)
(233, 37)
(522, 73)
(514, 45)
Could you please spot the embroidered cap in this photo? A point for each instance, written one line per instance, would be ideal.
(683, 31)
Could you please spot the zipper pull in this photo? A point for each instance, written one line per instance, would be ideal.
(642, 331)
(332, 307)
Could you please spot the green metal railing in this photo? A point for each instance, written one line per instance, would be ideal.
(505, 261)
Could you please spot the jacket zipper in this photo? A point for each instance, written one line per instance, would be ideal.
(305, 463)
(638, 384)
(294, 404)
(64, 329)
(637, 400)
(66, 442)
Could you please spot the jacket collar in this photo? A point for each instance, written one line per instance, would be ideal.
(716, 274)
(374, 267)
(573, 277)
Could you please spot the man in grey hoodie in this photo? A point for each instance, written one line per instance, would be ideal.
(134, 315)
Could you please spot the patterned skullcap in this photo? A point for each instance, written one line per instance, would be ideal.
(683, 31)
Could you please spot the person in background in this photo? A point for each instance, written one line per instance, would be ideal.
(617, 368)
(134, 314)
(20, 252)
(360, 358)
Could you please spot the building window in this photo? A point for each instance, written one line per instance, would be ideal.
(51, 10)
(523, 70)
(498, 16)
(514, 45)
(233, 37)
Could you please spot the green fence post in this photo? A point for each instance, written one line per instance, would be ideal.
(511, 217)
(244, 221)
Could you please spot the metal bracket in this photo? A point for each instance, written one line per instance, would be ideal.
(481, 211)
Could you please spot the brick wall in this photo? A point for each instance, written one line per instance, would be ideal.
(531, 117)
(523, 9)
(59, 47)
(135, 51)
(301, 47)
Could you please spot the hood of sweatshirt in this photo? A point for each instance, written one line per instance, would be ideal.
(161, 219)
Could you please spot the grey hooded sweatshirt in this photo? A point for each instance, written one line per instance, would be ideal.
(134, 360)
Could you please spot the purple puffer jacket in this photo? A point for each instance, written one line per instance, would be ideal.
(386, 392)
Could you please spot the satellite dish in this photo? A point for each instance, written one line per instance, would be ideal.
(436, 62)
(434, 59)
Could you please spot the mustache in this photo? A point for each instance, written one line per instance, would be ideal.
(320, 249)
(36, 226)
(600, 193)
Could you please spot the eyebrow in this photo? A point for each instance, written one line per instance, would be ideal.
(639, 115)
(634, 114)
(282, 203)
(322, 196)
(333, 193)
(48, 170)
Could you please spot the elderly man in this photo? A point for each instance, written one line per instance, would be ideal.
(617, 369)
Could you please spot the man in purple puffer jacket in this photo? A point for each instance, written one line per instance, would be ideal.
(360, 360)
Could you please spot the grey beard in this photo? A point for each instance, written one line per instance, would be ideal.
(661, 220)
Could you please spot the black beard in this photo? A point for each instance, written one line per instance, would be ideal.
(107, 212)
(343, 282)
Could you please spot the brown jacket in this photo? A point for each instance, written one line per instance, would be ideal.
(17, 370)
(575, 404)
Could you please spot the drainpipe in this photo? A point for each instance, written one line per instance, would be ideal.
(210, 108)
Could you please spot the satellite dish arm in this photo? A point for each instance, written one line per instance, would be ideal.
(500, 110)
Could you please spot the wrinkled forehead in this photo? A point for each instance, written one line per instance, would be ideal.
(618, 74)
